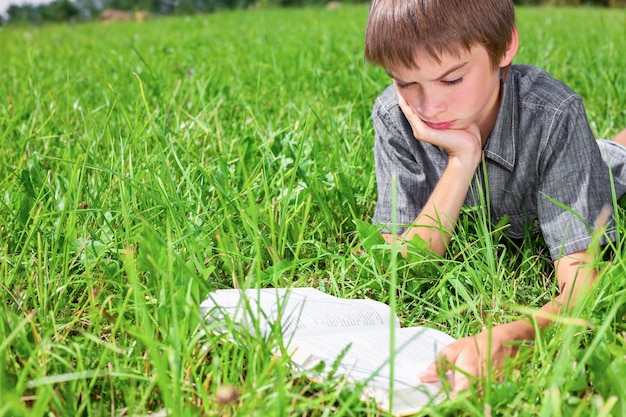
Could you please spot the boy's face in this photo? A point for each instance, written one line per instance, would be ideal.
(454, 93)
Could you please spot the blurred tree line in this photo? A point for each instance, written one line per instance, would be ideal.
(78, 10)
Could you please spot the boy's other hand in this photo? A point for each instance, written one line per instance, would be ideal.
(464, 144)
(469, 358)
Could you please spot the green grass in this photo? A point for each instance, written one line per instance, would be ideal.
(143, 165)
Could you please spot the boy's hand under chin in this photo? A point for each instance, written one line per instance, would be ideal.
(464, 144)
(470, 357)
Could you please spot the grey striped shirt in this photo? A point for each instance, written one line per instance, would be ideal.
(542, 164)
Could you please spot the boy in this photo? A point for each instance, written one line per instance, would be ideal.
(457, 100)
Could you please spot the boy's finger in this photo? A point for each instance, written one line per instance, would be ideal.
(461, 383)
(447, 356)
(430, 374)
(416, 123)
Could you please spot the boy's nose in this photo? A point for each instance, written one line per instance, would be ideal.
(428, 105)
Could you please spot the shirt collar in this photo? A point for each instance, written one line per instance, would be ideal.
(500, 146)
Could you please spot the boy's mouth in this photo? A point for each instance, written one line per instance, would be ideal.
(440, 126)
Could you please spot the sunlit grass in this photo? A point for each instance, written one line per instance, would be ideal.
(144, 165)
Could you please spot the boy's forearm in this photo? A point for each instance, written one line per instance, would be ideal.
(575, 275)
(546, 315)
(437, 220)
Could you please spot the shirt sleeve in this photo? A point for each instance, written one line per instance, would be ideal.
(405, 173)
(574, 182)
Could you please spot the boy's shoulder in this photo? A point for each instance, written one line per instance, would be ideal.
(534, 87)
(387, 99)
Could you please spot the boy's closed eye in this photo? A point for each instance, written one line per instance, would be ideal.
(403, 86)
(450, 83)
(447, 83)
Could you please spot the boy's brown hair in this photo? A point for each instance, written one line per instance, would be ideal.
(396, 28)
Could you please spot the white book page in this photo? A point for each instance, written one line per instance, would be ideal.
(297, 309)
(367, 360)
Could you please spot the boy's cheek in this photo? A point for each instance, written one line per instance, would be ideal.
(403, 98)
(407, 98)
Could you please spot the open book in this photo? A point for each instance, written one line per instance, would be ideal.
(320, 328)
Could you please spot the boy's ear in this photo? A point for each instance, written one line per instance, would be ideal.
(511, 50)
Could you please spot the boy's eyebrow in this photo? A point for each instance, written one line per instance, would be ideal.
(442, 76)
(451, 70)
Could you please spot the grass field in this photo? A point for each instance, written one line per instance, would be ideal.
(144, 164)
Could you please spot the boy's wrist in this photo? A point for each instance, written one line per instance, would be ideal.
(468, 162)
(516, 330)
